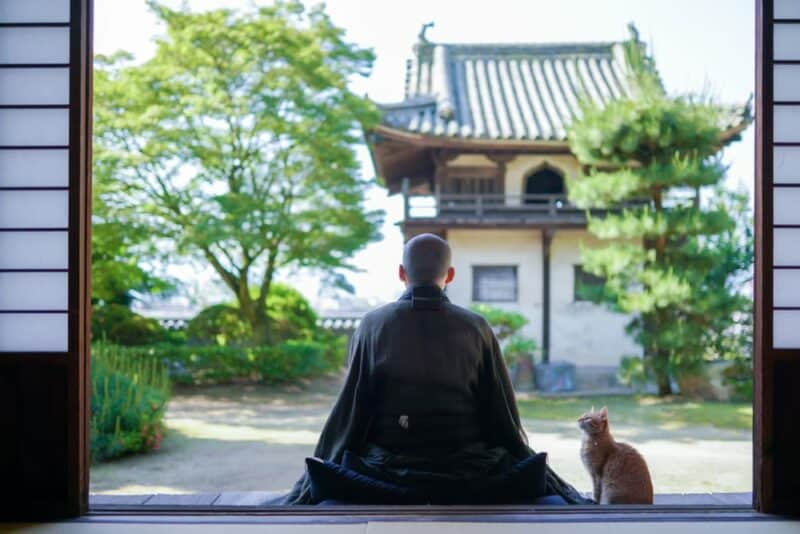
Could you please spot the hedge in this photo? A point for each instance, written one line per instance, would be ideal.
(128, 399)
(283, 362)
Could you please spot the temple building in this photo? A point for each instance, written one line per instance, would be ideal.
(478, 149)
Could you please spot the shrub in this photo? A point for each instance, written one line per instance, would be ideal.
(290, 315)
(739, 377)
(215, 364)
(218, 325)
(506, 325)
(117, 324)
(129, 396)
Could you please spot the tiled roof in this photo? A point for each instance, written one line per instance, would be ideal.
(515, 92)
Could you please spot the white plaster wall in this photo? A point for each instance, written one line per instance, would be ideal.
(580, 332)
(500, 247)
(466, 160)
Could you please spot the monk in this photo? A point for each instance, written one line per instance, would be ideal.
(427, 402)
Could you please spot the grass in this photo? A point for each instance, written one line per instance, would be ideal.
(668, 413)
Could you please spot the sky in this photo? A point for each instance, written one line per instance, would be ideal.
(700, 46)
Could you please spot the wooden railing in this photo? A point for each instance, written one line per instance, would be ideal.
(488, 206)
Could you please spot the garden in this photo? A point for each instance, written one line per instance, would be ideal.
(235, 153)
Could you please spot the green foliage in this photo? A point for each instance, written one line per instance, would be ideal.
(291, 317)
(219, 324)
(641, 411)
(116, 323)
(235, 144)
(506, 325)
(675, 264)
(279, 363)
(519, 347)
(129, 396)
(120, 246)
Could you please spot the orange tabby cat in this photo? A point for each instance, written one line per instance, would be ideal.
(618, 471)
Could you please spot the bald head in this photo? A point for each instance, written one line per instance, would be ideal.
(426, 259)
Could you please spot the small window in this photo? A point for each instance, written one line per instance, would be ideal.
(585, 282)
(494, 284)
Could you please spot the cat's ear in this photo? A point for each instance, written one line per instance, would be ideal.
(592, 410)
(604, 412)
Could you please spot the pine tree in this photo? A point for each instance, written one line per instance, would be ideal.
(671, 261)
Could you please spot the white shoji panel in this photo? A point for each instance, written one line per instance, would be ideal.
(786, 288)
(786, 246)
(786, 82)
(33, 332)
(34, 291)
(34, 45)
(786, 124)
(34, 250)
(34, 168)
(786, 9)
(34, 127)
(786, 205)
(34, 209)
(786, 44)
(32, 87)
(785, 164)
(34, 10)
(786, 329)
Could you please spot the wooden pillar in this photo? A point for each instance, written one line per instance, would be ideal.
(404, 187)
(547, 239)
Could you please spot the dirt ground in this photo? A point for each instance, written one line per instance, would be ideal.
(254, 438)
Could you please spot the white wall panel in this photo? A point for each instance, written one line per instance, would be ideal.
(786, 124)
(785, 164)
(786, 246)
(786, 329)
(786, 205)
(34, 10)
(32, 332)
(34, 291)
(786, 44)
(34, 209)
(34, 168)
(786, 9)
(34, 45)
(786, 288)
(34, 127)
(33, 250)
(32, 87)
(786, 82)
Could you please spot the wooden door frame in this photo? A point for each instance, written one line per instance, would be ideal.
(76, 360)
(80, 183)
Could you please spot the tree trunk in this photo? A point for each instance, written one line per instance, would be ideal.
(664, 384)
(255, 314)
(261, 329)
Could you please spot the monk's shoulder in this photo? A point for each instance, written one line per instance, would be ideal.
(475, 320)
(383, 314)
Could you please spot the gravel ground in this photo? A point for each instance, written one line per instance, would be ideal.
(254, 438)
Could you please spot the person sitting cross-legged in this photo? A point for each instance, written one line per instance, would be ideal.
(427, 414)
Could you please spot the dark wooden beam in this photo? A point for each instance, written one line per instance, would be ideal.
(547, 239)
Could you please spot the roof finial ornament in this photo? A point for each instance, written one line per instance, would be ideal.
(634, 32)
(424, 30)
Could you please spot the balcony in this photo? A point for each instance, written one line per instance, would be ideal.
(491, 209)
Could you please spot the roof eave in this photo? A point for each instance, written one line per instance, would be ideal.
(472, 144)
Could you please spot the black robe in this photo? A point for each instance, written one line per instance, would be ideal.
(427, 394)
